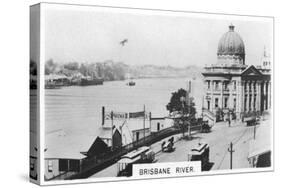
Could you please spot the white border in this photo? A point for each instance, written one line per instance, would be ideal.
(42, 92)
(205, 15)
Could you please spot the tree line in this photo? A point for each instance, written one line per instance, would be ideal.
(107, 70)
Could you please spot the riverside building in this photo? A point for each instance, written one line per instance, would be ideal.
(233, 88)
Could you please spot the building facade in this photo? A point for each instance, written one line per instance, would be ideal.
(233, 88)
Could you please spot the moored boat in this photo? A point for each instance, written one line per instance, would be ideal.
(88, 82)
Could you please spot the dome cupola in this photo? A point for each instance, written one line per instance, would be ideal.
(231, 49)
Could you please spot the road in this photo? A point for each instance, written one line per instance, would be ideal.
(218, 139)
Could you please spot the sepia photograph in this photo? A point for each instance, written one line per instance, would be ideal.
(127, 87)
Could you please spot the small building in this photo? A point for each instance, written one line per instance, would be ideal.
(111, 136)
(63, 156)
(140, 133)
(160, 123)
(57, 79)
(260, 148)
(138, 128)
(63, 163)
(98, 147)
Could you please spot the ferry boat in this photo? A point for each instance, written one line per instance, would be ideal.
(92, 81)
(131, 83)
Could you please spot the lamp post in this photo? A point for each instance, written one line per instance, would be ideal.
(229, 118)
(182, 99)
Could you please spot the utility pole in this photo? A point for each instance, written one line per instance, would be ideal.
(230, 150)
(255, 127)
(144, 123)
(112, 127)
(229, 119)
(150, 122)
(189, 108)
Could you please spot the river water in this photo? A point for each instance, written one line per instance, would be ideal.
(77, 110)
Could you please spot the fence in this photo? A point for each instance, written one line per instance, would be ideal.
(92, 165)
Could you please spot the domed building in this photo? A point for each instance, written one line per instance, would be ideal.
(231, 48)
(234, 89)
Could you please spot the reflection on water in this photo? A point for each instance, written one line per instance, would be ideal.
(77, 109)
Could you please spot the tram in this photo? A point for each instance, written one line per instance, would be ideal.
(200, 153)
(141, 155)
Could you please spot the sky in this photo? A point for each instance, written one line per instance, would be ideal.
(90, 34)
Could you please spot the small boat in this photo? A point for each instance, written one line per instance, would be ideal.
(131, 83)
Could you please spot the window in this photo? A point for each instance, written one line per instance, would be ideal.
(158, 126)
(234, 85)
(225, 102)
(209, 84)
(234, 103)
(32, 165)
(225, 85)
(216, 102)
(245, 103)
(50, 166)
(138, 136)
(208, 105)
(217, 85)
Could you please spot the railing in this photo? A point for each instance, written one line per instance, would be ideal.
(209, 114)
(91, 165)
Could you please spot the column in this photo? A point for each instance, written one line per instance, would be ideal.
(269, 95)
(241, 96)
(206, 94)
(250, 96)
(265, 96)
(238, 98)
(247, 94)
(230, 87)
(222, 94)
(212, 95)
(258, 96)
(253, 96)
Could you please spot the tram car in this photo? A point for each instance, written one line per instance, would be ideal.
(200, 153)
(141, 155)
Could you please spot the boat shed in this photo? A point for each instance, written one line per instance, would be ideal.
(111, 136)
(98, 147)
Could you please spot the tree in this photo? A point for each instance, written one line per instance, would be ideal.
(74, 66)
(50, 66)
(83, 69)
(183, 106)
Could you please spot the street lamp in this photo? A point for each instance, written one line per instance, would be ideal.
(182, 99)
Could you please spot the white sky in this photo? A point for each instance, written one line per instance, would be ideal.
(160, 38)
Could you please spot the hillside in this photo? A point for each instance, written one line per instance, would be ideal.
(109, 70)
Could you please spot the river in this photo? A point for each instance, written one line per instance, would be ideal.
(77, 110)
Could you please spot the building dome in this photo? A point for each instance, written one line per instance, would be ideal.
(231, 48)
